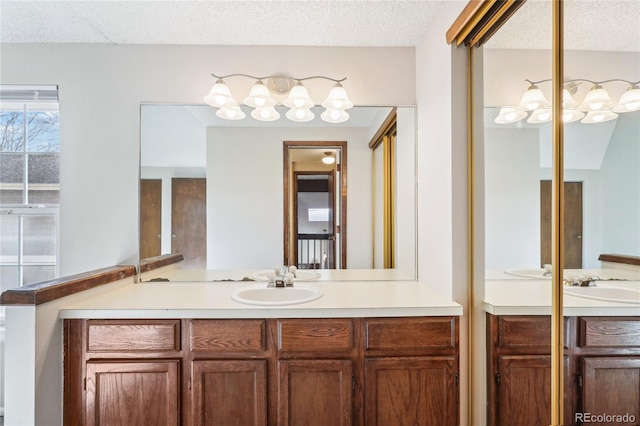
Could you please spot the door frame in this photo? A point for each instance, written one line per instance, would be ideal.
(288, 185)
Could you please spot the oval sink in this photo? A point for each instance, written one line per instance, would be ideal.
(528, 273)
(607, 294)
(262, 295)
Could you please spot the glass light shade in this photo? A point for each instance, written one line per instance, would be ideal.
(601, 116)
(220, 96)
(259, 96)
(571, 115)
(629, 101)
(231, 113)
(300, 115)
(337, 98)
(265, 114)
(298, 98)
(596, 99)
(328, 159)
(334, 115)
(509, 115)
(538, 116)
(533, 99)
(567, 100)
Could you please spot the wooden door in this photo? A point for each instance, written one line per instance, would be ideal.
(133, 393)
(612, 386)
(410, 391)
(189, 220)
(230, 392)
(150, 217)
(315, 392)
(572, 224)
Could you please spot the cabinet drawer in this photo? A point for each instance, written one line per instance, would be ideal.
(410, 333)
(228, 335)
(133, 335)
(609, 332)
(308, 335)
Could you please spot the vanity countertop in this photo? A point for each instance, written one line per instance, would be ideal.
(509, 295)
(213, 300)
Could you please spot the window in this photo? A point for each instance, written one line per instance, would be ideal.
(29, 184)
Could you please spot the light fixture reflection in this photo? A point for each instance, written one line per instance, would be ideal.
(334, 115)
(300, 115)
(538, 116)
(231, 113)
(265, 114)
(629, 101)
(509, 115)
(598, 117)
(328, 158)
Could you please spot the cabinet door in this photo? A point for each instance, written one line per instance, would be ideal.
(315, 392)
(133, 393)
(611, 386)
(229, 392)
(410, 391)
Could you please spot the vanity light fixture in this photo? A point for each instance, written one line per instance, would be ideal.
(328, 158)
(271, 91)
(596, 107)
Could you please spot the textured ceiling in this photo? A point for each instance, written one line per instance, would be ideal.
(590, 24)
(307, 23)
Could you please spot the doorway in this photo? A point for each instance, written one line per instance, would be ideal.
(150, 217)
(315, 204)
(572, 224)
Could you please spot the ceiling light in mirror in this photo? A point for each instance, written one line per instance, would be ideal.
(598, 117)
(328, 158)
(265, 114)
(231, 113)
(301, 115)
(334, 115)
(630, 100)
(597, 99)
(542, 115)
(571, 115)
(509, 114)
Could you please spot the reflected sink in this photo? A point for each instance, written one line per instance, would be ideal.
(606, 293)
(262, 295)
(528, 273)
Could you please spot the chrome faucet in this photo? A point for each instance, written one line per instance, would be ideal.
(582, 282)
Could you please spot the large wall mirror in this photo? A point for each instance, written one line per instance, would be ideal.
(601, 155)
(214, 190)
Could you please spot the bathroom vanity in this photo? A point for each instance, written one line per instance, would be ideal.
(369, 352)
(601, 352)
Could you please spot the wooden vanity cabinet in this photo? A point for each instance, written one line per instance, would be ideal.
(411, 371)
(602, 368)
(315, 371)
(330, 371)
(120, 372)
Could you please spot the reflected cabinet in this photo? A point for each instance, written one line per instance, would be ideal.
(601, 370)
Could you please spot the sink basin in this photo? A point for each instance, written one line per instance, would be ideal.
(528, 273)
(262, 295)
(606, 293)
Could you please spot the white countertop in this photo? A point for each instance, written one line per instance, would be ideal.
(509, 295)
(213, 300)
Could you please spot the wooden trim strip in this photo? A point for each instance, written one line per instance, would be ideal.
(46, 291)
(479, 20)
(156, 262)
(470, 10)
(620, 258)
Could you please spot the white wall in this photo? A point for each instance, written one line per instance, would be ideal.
(442, 192)
(406, 202)
(257, 177)
(101, 88)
